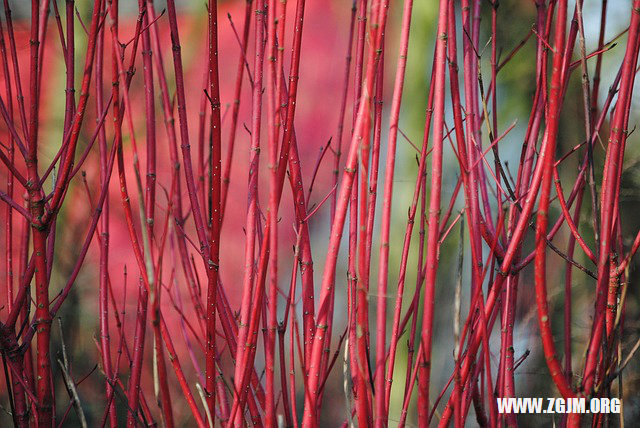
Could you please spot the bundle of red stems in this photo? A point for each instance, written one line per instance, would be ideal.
(271, 340)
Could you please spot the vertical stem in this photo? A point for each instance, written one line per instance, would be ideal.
(434, 214)
(20, 416)
(42, 321)
(214, 238)
(105, 348)
(610, 189)
(134, 389)
(252, 209)
(273, 119)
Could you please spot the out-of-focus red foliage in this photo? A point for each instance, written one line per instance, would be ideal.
(316, 122)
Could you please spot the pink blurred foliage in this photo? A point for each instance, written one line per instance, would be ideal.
(316, 122)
